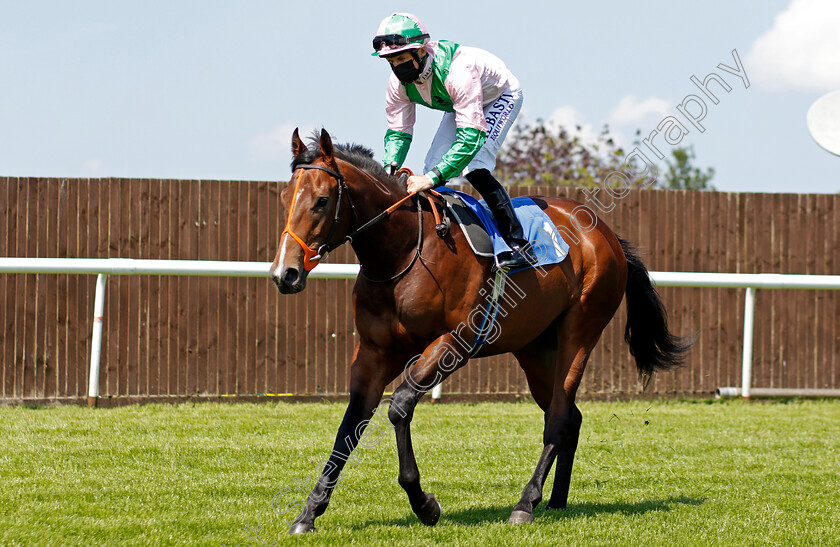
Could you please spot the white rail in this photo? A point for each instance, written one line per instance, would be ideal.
(129, 266)
(134, 266)
(745, 281)
(750, 282)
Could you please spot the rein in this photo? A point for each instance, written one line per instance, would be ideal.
(312, 257)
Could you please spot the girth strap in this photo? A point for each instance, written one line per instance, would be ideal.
(491, 312)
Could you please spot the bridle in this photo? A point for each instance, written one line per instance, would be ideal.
(312, 257)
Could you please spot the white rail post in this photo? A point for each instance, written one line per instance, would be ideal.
(746, 360)
(437, 391)
(96, 339)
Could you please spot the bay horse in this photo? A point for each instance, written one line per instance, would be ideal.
(417, 289)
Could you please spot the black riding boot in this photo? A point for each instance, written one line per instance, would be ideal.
(511, 231)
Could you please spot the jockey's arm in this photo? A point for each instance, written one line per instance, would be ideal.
(464, 88)
(400, 113)
(468, 141)
(397, 144)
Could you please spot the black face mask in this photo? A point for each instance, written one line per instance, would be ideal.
(406, 72)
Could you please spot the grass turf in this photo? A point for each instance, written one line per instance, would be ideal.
(646, 473)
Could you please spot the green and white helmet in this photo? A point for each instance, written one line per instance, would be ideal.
(399, 32)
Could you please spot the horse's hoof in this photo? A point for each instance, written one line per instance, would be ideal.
(429, 512)
(520, 517)
(301, 528)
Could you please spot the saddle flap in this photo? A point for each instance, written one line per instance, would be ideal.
(473, 229)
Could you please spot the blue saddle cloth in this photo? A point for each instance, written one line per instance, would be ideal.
(546, 241)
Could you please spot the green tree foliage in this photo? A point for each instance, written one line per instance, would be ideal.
(547, 156)
(682, 175)
(544, 155)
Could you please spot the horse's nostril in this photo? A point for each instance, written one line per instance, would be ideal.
(291, 276)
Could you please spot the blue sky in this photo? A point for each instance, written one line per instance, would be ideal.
(212, 89)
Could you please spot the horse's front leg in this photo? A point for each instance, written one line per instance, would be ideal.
(369, 374)
(422, 373)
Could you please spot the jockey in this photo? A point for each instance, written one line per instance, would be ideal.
(480, 98)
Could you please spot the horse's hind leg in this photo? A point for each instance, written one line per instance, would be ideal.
(562, 418)
(438, 361)
(565, 459)
(537, 360)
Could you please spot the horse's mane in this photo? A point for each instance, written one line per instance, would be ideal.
(356, 154)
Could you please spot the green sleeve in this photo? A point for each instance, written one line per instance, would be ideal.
(396, 147)
(468, 141)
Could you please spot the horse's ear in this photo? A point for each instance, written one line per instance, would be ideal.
(325, 142)
(297, 144)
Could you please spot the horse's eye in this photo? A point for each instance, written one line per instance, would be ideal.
(321, 202)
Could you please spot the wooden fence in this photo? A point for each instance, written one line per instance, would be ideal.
(216, 337)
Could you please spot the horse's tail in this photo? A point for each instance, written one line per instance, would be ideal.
(651, 343)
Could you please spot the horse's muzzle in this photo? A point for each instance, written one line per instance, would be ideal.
(288, 280)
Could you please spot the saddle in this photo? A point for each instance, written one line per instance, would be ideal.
(482, 234)
(480, 229)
